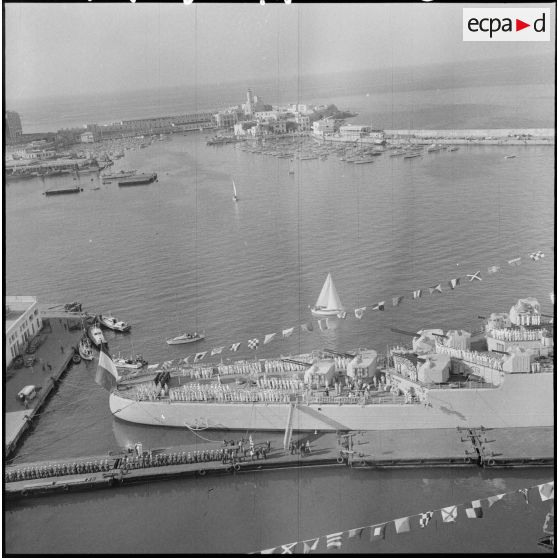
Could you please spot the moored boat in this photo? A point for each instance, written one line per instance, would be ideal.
(439, 382)
(186, 338)
(84, 348)
(96, 335)
(112, 323)
(129, 363)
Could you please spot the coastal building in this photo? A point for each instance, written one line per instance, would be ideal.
(12, 122)
(22, 322)
(225, 119)
(353, 131)
(303, 122)
(87, 137)
(323, 127)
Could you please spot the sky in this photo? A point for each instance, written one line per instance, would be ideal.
(54, 49)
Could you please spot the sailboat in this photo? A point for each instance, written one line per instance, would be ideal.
(235, 195)
(328, 303)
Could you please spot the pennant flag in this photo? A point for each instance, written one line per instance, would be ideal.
(107, 375)
(342, 315)
(268, 551)
(335, 540)
(234, 347)
(552, 298)
(308, 327)
(417, 294)
(379, 306)
(217, 350)
(493, 499)
(396, 300)
(323, 324)
(199, 356)
(425, 518)
(356, 533)
(493, 269)
(359, 312)
(402, 525)
(253, 343)
(546, 491)
(378, 532)
(453, 283)
(536, 256)
(473, 276)
(474, 511)
(435, 289)
(310, 545)
(268, 338)
(288, 548)
(515, 261)
(288, 332)
(525, 492)
(449, 514)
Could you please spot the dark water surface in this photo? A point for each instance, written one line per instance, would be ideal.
(180, 254)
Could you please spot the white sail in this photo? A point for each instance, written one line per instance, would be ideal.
(329, 299)
(235, 195)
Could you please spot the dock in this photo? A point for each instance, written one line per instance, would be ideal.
(362, 451)
(138, 179)
(53, 358)
(59, 191)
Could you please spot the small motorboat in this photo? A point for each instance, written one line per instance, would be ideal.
(85, 349)
(129, 363)
(112, 323)
(28, 393)
(186, 338)
(96, 335)
(510, 156)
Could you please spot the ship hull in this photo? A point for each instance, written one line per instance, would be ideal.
(522, 400)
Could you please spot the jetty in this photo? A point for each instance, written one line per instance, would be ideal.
(60, 191)
(502, 448)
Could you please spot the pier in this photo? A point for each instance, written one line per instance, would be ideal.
(358, 450)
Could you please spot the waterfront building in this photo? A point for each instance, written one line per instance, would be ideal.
(22, 322)
(225, 119)
(303, 122)
(87, 137)
(13, 125)
(323, 127)
(354, 131)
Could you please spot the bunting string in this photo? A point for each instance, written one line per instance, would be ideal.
(473, 509)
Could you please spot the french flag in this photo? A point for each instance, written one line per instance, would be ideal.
(107, 375)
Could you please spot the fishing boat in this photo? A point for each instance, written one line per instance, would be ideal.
(186, 338)
(437, 383)
(235, 195)
(328, 303)
(84, 348)
(96, 335)
(112, 323)
(412, 154)
(453, 148)
(129, 363)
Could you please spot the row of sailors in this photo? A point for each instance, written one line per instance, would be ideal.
(280, 383)
(269, 395)
(200, 372)
(241, 367)
(282, 366)
(516, 334)
(200, 456)
(474, 357)
(57, 470)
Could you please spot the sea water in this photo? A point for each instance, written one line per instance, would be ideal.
(180, 254)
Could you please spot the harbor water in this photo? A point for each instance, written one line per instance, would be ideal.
(179, 254)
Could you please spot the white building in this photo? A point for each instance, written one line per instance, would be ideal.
(87, 137)
(303, 122)
(354, 131)
(22, 322)
(323, 127)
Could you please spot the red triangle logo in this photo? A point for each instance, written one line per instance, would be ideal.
(519, 25)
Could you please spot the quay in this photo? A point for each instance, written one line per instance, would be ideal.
(500, 448)
(53, 357)
(59, 191)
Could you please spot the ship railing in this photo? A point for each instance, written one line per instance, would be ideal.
(463, 385)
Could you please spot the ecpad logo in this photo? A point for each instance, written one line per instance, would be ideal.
(506, 24)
